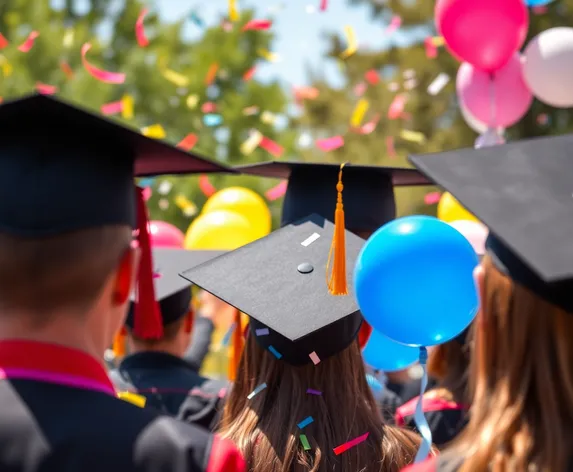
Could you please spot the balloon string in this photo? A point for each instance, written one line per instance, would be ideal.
(419, 417)
(492, 108)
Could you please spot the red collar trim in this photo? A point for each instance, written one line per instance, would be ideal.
(52, 359)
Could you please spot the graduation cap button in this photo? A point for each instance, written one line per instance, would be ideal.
(305, 268)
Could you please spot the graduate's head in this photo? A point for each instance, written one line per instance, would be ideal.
(521, 373)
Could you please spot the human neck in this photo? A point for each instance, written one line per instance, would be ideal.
(168, 347)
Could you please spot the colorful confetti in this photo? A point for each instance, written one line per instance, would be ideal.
(394, 25)
(304, 423)
(350, 444)
(29, 43)
(330, 144)
(323, 5)
(252, 142)
(275, 353)
(312, 391)
(257, 25)
(351, 42)
(99, 74)
(396, 107)
(359, 112)
(133, 398)
(432, 198)
(360, 88)
(367, 128)
(112, 108)
(271, 147)
(140, 30)
(192, 101)
(437, 85)
(268, 118)
(304, 442)
(46, 89)
(430, 48)
(154, 131)
(209, 107)
(314, 358)
(212, 119)
(390, 149)
(197, 20)
(269, 56)
(249, 74)
(277, 191)
(206, 186)
(262, 332)
(256, 391)
(188, 142)
(128, 105)
(175, 78)
(372, 77)
(413, 136)
(211, 73)
(188, 208)
(67, 70)
(3, 42)
(233, 12)
(68, 40)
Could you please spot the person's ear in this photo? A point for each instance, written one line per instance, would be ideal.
(126, 275)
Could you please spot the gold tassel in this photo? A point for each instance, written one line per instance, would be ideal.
(337, 282)
(119, 343)
(237, 348)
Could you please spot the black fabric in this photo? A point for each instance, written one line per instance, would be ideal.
(388, 402)
(52, 428)
(167, 382)
(407, 391)
(201, 339)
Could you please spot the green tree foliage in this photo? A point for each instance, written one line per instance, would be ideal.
(110, 28)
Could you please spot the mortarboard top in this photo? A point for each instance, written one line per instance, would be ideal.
(368, 190)
(64, 168)
(172, 291)
(280, 282)
(523, 192)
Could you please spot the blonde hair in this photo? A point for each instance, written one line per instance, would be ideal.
(265, 427)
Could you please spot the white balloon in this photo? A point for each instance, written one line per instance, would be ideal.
(548, 66)
(475, 124)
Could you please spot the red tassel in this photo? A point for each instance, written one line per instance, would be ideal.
(189, 321)
(364, 334)
(147, 317)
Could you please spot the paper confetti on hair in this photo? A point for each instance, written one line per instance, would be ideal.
(304, 442)
(394, 25)
(271, 147)
(351, 42)
(133, 398)
(330, 144)
(175, 78)
(66, 69)
(256, 391)
(359, 112)
(277, 191)
(350, 444)
(257, 25)
(251, 143)
(188, 142)
(127, 110)
(186, 205)
(314, 357)
(304, 423)
(312, 391)
(372, 77)
(206, 186)
(275, 353)
(140, 30)
(438, 83)
(269, 56)
(154, 131)
(99, 74)
(112, 108)
(233, 13)
(390, 149)
(3, 42)
(432, 198)
(249, 74)
(413, 136)
(323, 5)
(397, 107)
(46, 89)
(211, 73)
(262, 332)
(29, 43)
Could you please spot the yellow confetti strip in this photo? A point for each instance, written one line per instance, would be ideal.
(192, 101)
(269, 56)
(133, 398)
(186, 205)
(251, 143)
(7, 68)
(413, 136)
(127, 107)
(438, 41)
(359, 112)
(175, 78)
(352, 43)
(154, 131)
(268, 118)
(68, 41)
(233, 12)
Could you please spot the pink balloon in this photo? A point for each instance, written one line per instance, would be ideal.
(476, 233)
(165, 235)
(484, 33)
(504, 93)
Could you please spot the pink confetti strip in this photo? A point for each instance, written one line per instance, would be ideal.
(249, 74)
(432, 198)
(147, 192)
(372, 77)
(258, 25)
(46, 89)
(112, 108)
(188, 142)
(390, 149)
(29, 43)
(359, 89)
(271, 147)
(99, 74)
(430, 47)
(394, 25)
(350, 444)
(367, 128)
(323, 5)
(209, 107)
(3, 41)
(312, 391)
(206, 186)
(140, 30)
(277, 191)
(330, 144)
(396, 107)
(314, 357)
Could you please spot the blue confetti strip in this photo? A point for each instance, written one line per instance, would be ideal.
(419, 417)
(304, 423)
(227, 338)
(276, 353)
(212, 120)
(147, 182)
(256, 391)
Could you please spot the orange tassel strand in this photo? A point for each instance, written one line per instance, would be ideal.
(337, 282)
(237, 347)
(119, 343)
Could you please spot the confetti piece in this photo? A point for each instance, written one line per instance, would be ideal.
(268, 118)
(305, 93)
(347, 445)
(68, 41)
(112, 108)
(3, 41)
(233, 13)
(99, 74)
(372, 77)
(188, 142)
(359, 112)
(330, 144)
(394, 25)
(323, 5)
(133, 398)
(430, 48)
(195, 18)
(256, 391)
(185, 205)
(257, 25)
(146, 182)
(29, 43)
(227, 338)
(438, 41)
(351, 42)
(127, 110)
(66, 69)
(312, 391)
(147, 192)
(304, 423)
(262, 331)
(438, 83)
(154, 131)
(269, 56)
(211, 73)
(46, 89)
(249, 74)
(304, 442)
(275, 353)
(206, 186)
(175, 78)
(271, 147)
(396, 107)
(432, 198)
(413, 136)
(192, 101)
(370, 126)
(7, 68)
(314, 358)
(251, 143)
(139, 29)
(249, 111)
(212, 120)
(359, 89)
(165, 187)
(277, 191)
(208, 107)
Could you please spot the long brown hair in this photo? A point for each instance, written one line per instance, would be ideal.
(522, 377)
(265, 427)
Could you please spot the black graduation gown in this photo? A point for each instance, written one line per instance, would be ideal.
(388, 402)
(201, 338)
(167, 382)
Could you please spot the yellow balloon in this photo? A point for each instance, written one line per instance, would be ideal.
(449, 209)
(219, 230)
(245, 202)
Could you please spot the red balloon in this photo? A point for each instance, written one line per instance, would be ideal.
(485, 33)
(164, 234)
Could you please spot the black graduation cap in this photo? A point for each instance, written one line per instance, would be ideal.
(368, 190)
(172, 291)
(523, 191)
(64, 168)
(280, 282)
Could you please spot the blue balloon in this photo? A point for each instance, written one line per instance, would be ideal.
(413, 281)
(384, 354)
(537, 3)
